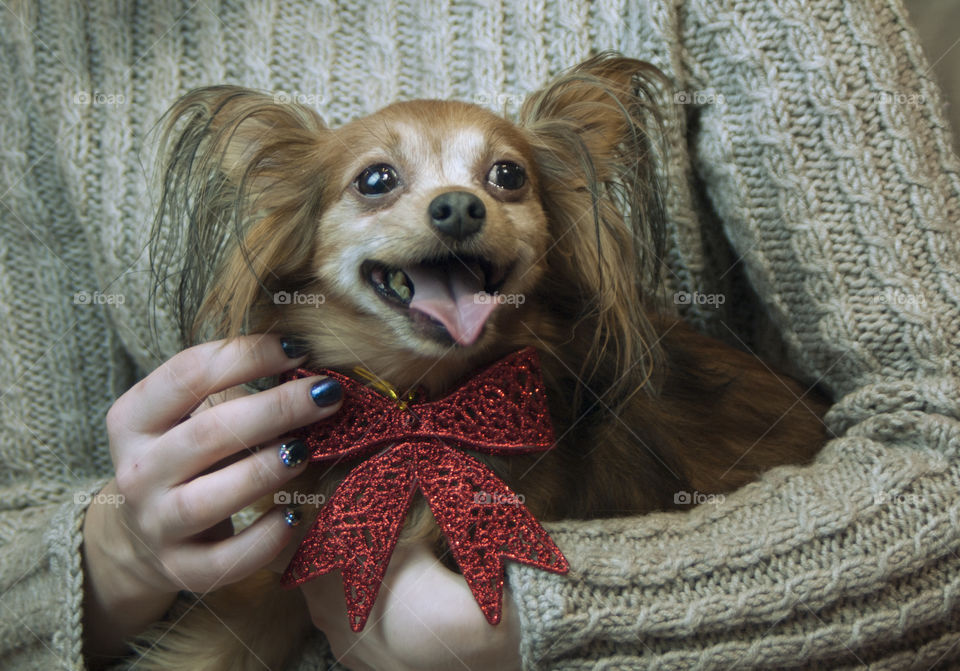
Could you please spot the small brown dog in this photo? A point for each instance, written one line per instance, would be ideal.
(399, 221)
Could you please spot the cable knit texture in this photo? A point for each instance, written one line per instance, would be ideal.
(811, 181)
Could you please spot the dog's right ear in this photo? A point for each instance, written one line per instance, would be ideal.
(238, 193)
(594, 132)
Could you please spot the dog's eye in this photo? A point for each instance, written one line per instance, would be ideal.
(507, 175)
(377, 180)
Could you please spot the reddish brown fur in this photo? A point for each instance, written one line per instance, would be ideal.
(647, 408)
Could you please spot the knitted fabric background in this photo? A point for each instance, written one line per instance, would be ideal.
(811, 182)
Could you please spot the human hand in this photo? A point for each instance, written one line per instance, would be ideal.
(179, 478)
(424, 619)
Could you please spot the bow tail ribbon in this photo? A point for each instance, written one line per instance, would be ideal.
(357, 530)
(484, 522)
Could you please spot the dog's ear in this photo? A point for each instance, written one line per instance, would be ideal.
(592, 133)
(240, 198)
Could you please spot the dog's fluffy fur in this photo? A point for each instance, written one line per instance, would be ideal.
(261, 197)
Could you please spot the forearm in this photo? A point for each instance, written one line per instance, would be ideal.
(854, 253)
(116, 605)
(814, 564)
(41, 577)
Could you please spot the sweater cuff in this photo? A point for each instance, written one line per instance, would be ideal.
(60, 588)
(41, 534)
(549, 604)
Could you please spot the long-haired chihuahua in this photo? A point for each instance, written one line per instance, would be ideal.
(402, 222)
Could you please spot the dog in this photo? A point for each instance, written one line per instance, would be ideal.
(399, 221)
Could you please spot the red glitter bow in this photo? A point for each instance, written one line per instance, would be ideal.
(501, 411)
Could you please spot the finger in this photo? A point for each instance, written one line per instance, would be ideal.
(179, 385)
(202, 567)
(308, 509)
(244, 423)
(203, 502)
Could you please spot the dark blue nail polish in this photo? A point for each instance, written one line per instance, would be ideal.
(292, 516)
(293, 347)
(293, 453)
(326, 392)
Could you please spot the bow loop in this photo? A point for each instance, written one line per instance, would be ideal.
(499, 411)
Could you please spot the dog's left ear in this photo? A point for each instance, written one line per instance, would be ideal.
(242, 191)
(592, 134)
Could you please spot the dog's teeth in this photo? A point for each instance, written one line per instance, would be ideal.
(398, 282)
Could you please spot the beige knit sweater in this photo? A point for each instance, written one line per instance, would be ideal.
(809, 134)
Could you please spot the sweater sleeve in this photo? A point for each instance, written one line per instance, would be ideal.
(828, 163)
(42, 576)
(61, 363)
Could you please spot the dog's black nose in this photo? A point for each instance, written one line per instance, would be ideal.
(458, 214)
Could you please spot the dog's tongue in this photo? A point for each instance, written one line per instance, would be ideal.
(449, 295)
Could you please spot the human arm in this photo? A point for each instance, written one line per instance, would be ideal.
(844, 213)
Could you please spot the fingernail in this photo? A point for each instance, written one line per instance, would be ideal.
(291, 516)
(294, 453)
(326, 392)
(293, 347)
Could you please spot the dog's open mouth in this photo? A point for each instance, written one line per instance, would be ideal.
(449, 298)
